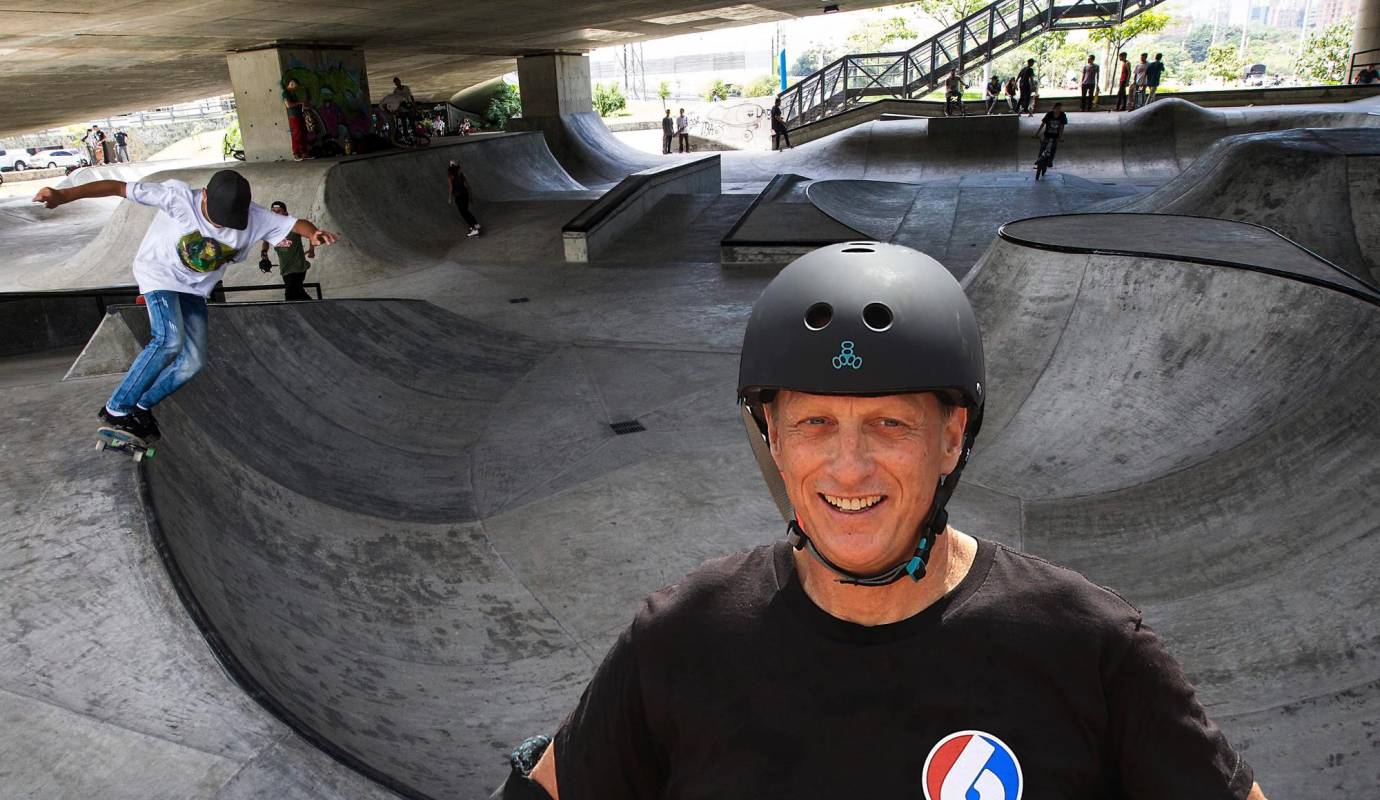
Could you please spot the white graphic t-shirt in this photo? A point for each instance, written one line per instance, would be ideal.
(182, 251)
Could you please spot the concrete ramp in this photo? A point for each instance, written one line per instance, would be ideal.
(1318, 186)
(1155, 142)
(391, 208)
(1200, 437)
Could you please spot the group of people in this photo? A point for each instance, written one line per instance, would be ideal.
(94, 140)
(677, 129)
(1021, 91)
(1136, 86)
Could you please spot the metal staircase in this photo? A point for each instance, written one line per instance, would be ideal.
(982, 36)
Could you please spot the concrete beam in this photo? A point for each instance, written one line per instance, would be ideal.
(553, 84)
(1367, 36)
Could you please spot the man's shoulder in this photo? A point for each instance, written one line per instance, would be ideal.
(1055, 594)
(718, 590)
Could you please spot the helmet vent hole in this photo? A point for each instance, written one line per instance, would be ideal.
(877, 316)
(858, 250)
(818, 316)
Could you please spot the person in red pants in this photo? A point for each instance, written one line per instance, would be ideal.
(293, 102)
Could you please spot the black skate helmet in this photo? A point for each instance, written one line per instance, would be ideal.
(863, 318)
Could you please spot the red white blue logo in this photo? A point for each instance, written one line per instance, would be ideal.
(972, 765)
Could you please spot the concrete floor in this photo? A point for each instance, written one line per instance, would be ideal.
(411, 527)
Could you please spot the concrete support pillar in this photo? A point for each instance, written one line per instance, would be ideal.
(554, 84)
(333, 84)
(1367, 35)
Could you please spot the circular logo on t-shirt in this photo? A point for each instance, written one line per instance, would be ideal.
(972, 765)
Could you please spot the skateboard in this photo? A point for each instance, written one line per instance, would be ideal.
(121, 441)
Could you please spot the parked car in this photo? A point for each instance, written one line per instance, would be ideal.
(48, 159)
(16, 160)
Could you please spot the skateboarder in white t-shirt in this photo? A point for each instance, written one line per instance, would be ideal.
(196, 234)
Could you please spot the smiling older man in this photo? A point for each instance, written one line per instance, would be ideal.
(878, 652)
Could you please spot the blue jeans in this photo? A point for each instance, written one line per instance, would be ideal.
(176, 351)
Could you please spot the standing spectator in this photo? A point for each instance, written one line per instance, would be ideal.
(98, 141)
(122, 146)
(1123, 79)
(1011, 100)
(682, 133)
(296, 127)
(1091, 71)
(1153, 71)
(460, 195)
(668, 132)
(88, 143)
(1026, 81)
(778, 127)
(992, 94)
(953, 91)
(465, 127)
(292, 261)
(1139, 82)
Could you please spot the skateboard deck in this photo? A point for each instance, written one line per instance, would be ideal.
(121, 441)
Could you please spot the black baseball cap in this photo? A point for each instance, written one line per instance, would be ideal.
(227, 199)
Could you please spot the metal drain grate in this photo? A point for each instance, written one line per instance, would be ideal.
(627, 426)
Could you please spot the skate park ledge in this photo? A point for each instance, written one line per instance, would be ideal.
(589, 233)
(1182, 237)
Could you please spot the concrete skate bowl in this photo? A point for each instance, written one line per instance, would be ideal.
(1317, 186)
(393, 527)
(1155, 142)
(1200, 437)
(391, 209)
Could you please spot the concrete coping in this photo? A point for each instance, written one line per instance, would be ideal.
(1187, 238)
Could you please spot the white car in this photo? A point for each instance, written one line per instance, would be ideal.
(48, 159)
(13, 159)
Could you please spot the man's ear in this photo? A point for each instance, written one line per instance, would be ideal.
(773, 433)
(953, 437)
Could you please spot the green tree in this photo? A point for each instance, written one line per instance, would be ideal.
(718, 90)
(1325, 57)
(232, 140)
(1117, 37)
(608, 99)
(947, 12)
(503, 106)
(1224, 62)
(763, 86)
(881, 34)
(663, 91)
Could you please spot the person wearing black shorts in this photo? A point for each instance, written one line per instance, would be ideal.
(460, 195)
(878, 652)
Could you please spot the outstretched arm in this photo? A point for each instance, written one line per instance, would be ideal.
(313, 234)
(52, 198)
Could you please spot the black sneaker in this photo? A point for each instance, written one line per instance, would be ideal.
(128, 423)
(143, 419)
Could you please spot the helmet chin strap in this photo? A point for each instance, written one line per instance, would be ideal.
(935, 524)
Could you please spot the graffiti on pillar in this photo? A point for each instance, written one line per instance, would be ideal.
(336, 105)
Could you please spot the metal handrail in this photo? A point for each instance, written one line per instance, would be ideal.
(978, 38)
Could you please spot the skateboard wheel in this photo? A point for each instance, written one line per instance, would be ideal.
(138, 456)
(99, 445)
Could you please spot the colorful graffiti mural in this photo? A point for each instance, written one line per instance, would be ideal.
(336, 101)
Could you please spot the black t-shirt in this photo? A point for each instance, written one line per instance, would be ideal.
(734, 684)
(1054, 123)
(120, 137)
(1027, 77)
